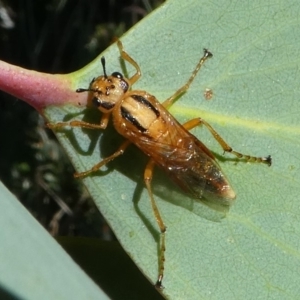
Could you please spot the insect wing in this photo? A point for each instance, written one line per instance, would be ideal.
(191, 165)
(201, 176)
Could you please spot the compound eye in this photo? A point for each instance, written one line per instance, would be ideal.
(117, 75)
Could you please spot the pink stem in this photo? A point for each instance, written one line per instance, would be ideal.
(39, 89)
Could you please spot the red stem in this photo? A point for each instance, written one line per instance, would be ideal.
(39, 89)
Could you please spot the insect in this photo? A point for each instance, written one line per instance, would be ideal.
(147, 123)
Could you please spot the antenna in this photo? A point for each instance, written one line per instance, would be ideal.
(103, 66)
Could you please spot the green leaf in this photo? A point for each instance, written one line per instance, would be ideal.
(254, 251)
(32, 264)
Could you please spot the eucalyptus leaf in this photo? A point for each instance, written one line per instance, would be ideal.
(32, 264)
(252, 253)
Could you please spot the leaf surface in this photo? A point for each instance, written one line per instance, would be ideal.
(32, 264)
(253, 253)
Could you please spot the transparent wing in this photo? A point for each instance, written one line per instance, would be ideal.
(190, 164)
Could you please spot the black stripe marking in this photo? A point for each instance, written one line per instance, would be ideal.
(144, 101)
(130, 118)
(107, 105)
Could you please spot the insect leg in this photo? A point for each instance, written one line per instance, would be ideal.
(102, 125)
(198, 121)
(148, 178)
(103, 162)
(126, 56)
(167, 103)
